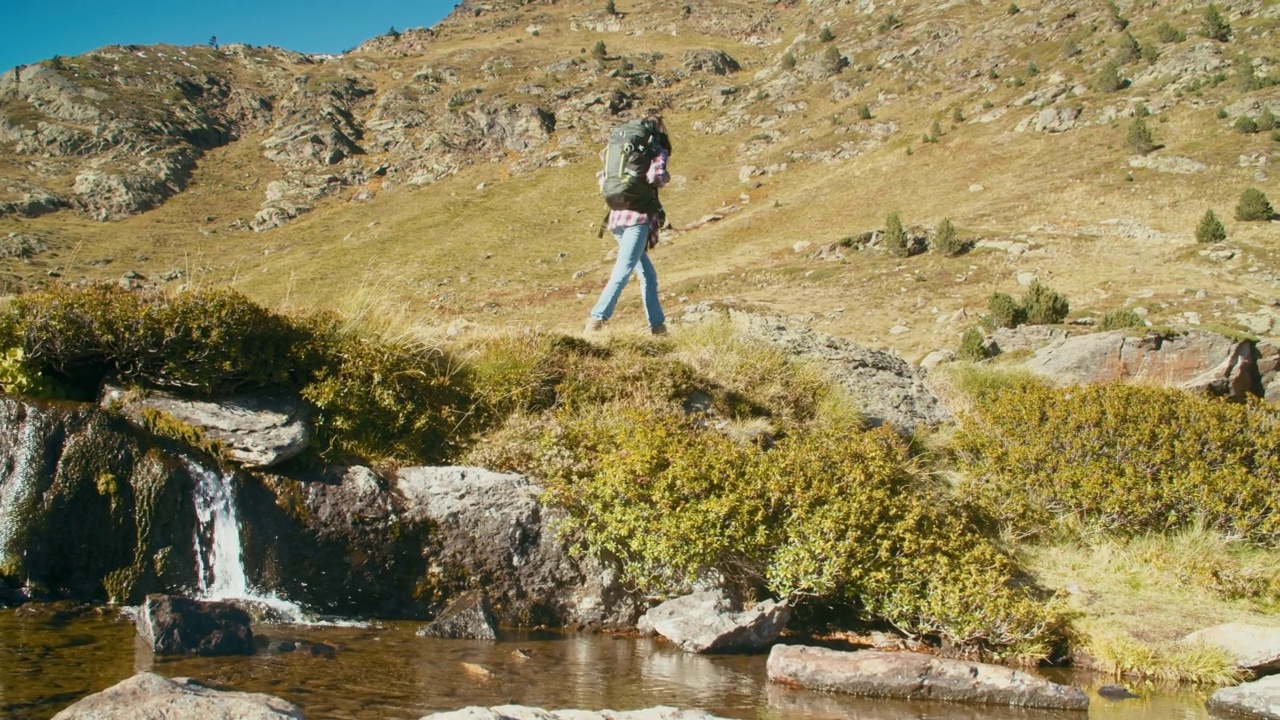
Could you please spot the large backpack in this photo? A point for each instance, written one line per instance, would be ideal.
(632, 147)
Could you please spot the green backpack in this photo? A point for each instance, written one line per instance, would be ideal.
(632, 147)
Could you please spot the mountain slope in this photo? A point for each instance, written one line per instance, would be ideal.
(448, 172)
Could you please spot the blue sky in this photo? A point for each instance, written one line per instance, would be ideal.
(32, 30)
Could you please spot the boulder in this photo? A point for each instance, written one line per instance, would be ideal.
(1258, 699)
(1255, 647)
(520, 712)
(715, 62)
(173, 625)
(492, 528)
(147, 695)
(917, 676)
(889, 390)
(707, 622)
(257, 430)
(467, 617)
(1196, 360)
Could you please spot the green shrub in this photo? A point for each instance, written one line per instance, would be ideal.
(1170, 34)
(610, 7)
(1117, 19)
(1246, 125)
(1120, 459)
(864, 112)
(1120, 319)
(973, 346)
(1013, 9)
(207, 342)
(1108, 79)
(832, 61)
(1210, 229)
(895, 238)
(1127, 49)
(1044, 306)
(1254, 205)
(1140, 139)
(1004, 312)
(825, 35)
(1214, 26)
(890, 22)
(945, 240)
(599, 51)
(835, 514)
(1266, 119)
(788, 61)
(20, 376)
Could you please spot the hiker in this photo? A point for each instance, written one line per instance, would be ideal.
(635, 214)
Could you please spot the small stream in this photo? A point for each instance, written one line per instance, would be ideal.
(385, 672)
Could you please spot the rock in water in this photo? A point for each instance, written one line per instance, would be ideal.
(706, 622)
(916, 676)
(520, 712)
(147, 695)
(178, 625)
(1257, 699)
(467, 617)
(1256, 648)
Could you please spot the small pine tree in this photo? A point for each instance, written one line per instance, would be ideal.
(1246, 77)
(1169, 33)
(213, 41)
(832, 61)
(1004, 311)
(945, 240)
(864, 112)
(1254, 206)
(957, 116)
(1266, 119)
(1120, 319)
(393, 33)
(1127, 48)
(1246, 125)
(895, 238)
(1150, 52)
(1109, 80)
(973, 346)
(1014, 9)
(891, 22)
(936, 129)
(1140, 139)
(788, 61)
(1210, 229)
(1044, 306)
(610, 7)
(1033, 69)
(1116, 18)
(1214, 26)
(825, 35)
(599, 51)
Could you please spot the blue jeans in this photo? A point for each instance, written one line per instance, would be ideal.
(632, 257)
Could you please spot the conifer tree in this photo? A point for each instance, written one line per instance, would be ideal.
(1210, 229)
(1254, 206)
(895, 238)
(1140, 139)
(1214, 26)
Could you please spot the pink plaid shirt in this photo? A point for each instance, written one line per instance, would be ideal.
(657, 176)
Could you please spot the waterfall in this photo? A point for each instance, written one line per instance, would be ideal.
(219, 566)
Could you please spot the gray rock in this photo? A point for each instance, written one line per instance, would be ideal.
(917, 676)
(467, 617)
(520, 712)
(707, 622)
(172, 625)
(1197, 360)
(1259, 699)
(1255, 647)
(716, 62)
(889, 390)
(147, 695)
(21, 246)
(257, 430)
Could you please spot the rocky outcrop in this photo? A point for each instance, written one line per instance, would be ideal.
(917, 676)
(89, 507)
(256, 430)
(147, 695)
(467, 617)
(715, 62)
(1259, 699)
(172, 625)
(1256, 648)
(520, 712)
(888, 389)
(709, 622)
(1196, 360)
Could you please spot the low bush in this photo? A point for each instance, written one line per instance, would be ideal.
(1043, 305)
(945, 240)
(973, 346)
(1004, 312)
(1254, 205)
(1120, 319)
(1120, 459)
(1210, 229)
(834, 514)
(895, 237)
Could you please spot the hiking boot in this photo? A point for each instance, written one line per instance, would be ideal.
(594, 324)
(658, 329)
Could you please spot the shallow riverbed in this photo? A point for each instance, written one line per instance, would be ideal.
(385, 672)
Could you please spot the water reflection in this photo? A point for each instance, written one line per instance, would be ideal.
(386, 672)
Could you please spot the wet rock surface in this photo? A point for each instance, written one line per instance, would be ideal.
(172, 625)
(467, 617)
(1259, 699)
(148, 695)
(1256, 648)
(709, 622)
(520, 712)
(874, 673)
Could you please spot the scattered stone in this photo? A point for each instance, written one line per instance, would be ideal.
(709, 621)
(1115, 692)
(519, 712)
(21, 246)
(467, 617)
(1258, 699)
(1027, 278)
(257, 430)
(917, 676)
(1255, 647)
(936, 358)
(147, 695)
(173, 625)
